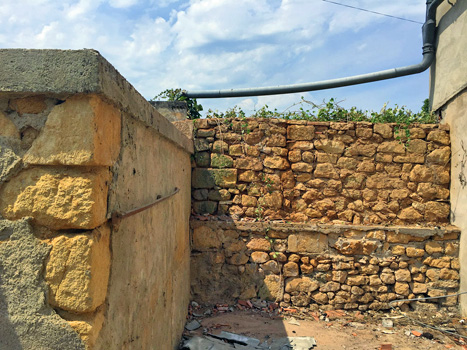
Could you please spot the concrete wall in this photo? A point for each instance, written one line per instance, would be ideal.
(149, 278)
(449, 97)
(78, 146)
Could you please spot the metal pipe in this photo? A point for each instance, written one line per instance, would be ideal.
(428, 32)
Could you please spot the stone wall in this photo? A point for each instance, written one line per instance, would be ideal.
(325, 266)
(79, 147)
(298, 171)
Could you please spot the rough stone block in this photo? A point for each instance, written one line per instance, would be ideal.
(83, 130)
(221, 161)
(326, 170)
(276, 162)
(77, 270)
(435, 211)
(205, 238)
(330, 146)
(440, 156)
(205, 207)
(10, 163)
(439, 136)
(28, 105)
(301, 284)
(57, 198)
(271, 289)
(208, 178)
(248, 163)
(7, 127)
(300, 132)
(307, 243)
(383, 129)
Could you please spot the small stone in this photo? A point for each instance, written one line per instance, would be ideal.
(330, 287)
(413, 252)
(403, 275)
(447, 274)
(339, 276)
(440, 156)
(329, 146)
(433, 248)
(290, 269)
(383, 129)
(402, 288)
(439, 136)
(271, 266)
(259, 257)
(301, 284)
(388, 278)
(356, 280)
(419, 288)
(321, 298)
(398, 250)
(193, 325)
(276, 162)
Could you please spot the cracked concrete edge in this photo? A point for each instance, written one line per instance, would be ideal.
(61, 73)
(325, 228)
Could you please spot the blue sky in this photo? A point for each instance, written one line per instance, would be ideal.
(220, 44)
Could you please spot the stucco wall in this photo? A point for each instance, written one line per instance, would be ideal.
(448, 74)
(449, 97)
(455, 115)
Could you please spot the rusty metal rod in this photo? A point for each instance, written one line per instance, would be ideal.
(118, 216)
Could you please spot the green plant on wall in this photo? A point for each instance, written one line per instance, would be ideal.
(332, 111)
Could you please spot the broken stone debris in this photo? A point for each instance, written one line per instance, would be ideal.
(227, 340)
(193, 325)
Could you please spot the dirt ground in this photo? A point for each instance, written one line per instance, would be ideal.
(333, 329)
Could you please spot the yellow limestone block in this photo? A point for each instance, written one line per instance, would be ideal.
(7, 127)
(77, 270)
(83, 130)
(57, 198)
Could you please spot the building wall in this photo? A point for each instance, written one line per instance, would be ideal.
(449, 71)
(449, 98)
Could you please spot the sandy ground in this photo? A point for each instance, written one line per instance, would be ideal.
(335, 330)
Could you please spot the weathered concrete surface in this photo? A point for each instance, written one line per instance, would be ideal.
(26, 321)
(449, 72)
(172, 110)
(77, 270)
(83, 131)
(456, 117)
(62, 73)
(58, 198)
(148, 289)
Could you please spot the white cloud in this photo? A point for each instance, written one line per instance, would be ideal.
(122, 3)
(217, 44)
